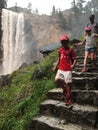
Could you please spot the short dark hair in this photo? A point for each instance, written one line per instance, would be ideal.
(92, 16)
(65, 41)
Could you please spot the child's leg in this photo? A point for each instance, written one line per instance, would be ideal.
(85, 61)
(92, 56)
(68, 90)
(68, 96)
(62, 84)
(68, 80)
(59, 80)
(93, 59)
(86, 56)
(95, 53)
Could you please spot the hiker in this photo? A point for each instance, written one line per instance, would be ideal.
(63, 76)
(90, 47)
(94, 26)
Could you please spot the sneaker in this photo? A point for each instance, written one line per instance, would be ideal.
(69, 102)
(84, 69)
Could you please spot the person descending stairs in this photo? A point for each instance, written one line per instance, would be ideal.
(82, 114)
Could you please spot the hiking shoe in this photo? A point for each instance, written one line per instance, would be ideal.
(68, 102)
(84, 69)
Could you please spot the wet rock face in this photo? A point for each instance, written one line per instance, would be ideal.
(0, 25)
(4, 80)
(0, 34)
(1, 49)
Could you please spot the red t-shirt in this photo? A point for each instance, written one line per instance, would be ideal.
(65, 56)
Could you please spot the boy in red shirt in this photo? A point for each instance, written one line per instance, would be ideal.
(64, 75)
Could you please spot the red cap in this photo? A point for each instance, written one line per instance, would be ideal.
(64, 37)
(88, 28)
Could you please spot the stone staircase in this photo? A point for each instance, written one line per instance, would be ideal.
(83, 113)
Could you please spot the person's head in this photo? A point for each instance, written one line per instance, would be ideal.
(91, 18)
(88, 30)
(64, 39)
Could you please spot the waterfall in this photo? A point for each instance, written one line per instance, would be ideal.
(18, 45)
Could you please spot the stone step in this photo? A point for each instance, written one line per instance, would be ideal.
(80, 50)
(85, 97)
(44, 122)
(80, 114)
(80, 60)
(87, 74)
(52, 123)
(78, 96)
(88, 69)
(80, 65)
(81, 57)
(87, 83)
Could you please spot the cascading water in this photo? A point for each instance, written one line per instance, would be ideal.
(18, 46)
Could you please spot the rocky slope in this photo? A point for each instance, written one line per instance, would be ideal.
(45, 29)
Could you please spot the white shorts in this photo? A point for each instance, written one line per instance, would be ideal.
(64, 75)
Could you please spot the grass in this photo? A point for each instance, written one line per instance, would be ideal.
(19, 101)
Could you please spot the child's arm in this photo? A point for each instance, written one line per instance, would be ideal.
(95, 35)
(55, 66)
(74, 63)
(80, 43)
(73, 56)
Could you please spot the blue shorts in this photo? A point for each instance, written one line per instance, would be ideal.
(91, 49)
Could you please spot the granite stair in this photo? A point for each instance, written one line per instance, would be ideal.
(83, 113)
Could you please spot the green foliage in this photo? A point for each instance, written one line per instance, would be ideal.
(20, 101)
(80, 7)
(53, 11)
(29, 7)
(3, 3)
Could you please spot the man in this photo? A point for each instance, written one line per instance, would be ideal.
(92, 24)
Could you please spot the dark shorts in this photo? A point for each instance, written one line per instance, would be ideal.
(91, 49)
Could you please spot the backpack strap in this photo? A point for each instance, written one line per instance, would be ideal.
(88, 24)
(97, 27)
(70, 55)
